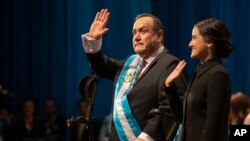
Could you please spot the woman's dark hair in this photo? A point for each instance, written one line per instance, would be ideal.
(213, 30)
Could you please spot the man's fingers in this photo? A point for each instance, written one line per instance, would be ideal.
(105, 30)
(102, 14)
(97, 16)
(106, 19)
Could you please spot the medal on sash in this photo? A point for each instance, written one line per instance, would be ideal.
(128, 78)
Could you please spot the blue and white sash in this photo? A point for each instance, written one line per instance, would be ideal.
(125, 123)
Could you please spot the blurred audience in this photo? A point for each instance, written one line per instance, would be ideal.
(54, 124)
(105, 129)
(80, 132)
(28, 127)
(6, 122)
(247, 119)
(239, 108)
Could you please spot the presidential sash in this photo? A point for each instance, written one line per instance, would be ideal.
(125, 123)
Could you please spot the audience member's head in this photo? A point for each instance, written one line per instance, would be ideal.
(29, 107)
(239, 108)
(49, 107)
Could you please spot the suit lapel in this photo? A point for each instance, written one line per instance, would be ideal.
(158, 57)
(207, 65)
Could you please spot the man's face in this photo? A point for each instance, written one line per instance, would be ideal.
(145, 40)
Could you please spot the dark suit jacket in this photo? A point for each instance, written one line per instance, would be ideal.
(206, 105)
(148, 92)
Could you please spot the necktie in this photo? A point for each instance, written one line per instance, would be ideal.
(142, 65)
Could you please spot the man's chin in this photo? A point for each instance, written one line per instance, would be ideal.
(193, 56)
(139, 51)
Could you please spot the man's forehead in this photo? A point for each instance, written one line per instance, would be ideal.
(143, 22)
(144, 19)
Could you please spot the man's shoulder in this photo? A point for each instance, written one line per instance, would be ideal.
(167, 56)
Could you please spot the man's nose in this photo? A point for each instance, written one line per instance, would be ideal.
(190, 44)
(137, 37)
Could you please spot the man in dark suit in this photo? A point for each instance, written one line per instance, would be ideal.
(139, 87)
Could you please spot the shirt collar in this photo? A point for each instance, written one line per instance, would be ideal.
(201, 68)
(154, 55)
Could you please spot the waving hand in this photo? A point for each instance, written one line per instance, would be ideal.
(98, 27)
(175, 73)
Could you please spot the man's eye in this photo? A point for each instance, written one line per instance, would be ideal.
(143, 31)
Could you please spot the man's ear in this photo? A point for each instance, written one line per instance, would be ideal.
(160, 35)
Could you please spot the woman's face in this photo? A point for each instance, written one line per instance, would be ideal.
(201, 49)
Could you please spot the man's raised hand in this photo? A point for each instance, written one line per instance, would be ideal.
(98, 27)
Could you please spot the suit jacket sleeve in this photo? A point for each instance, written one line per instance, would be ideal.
(104, 66)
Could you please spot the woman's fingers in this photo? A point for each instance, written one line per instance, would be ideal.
(181, 65)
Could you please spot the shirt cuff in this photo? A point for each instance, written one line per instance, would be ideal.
(145, 137)
(91, 45)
